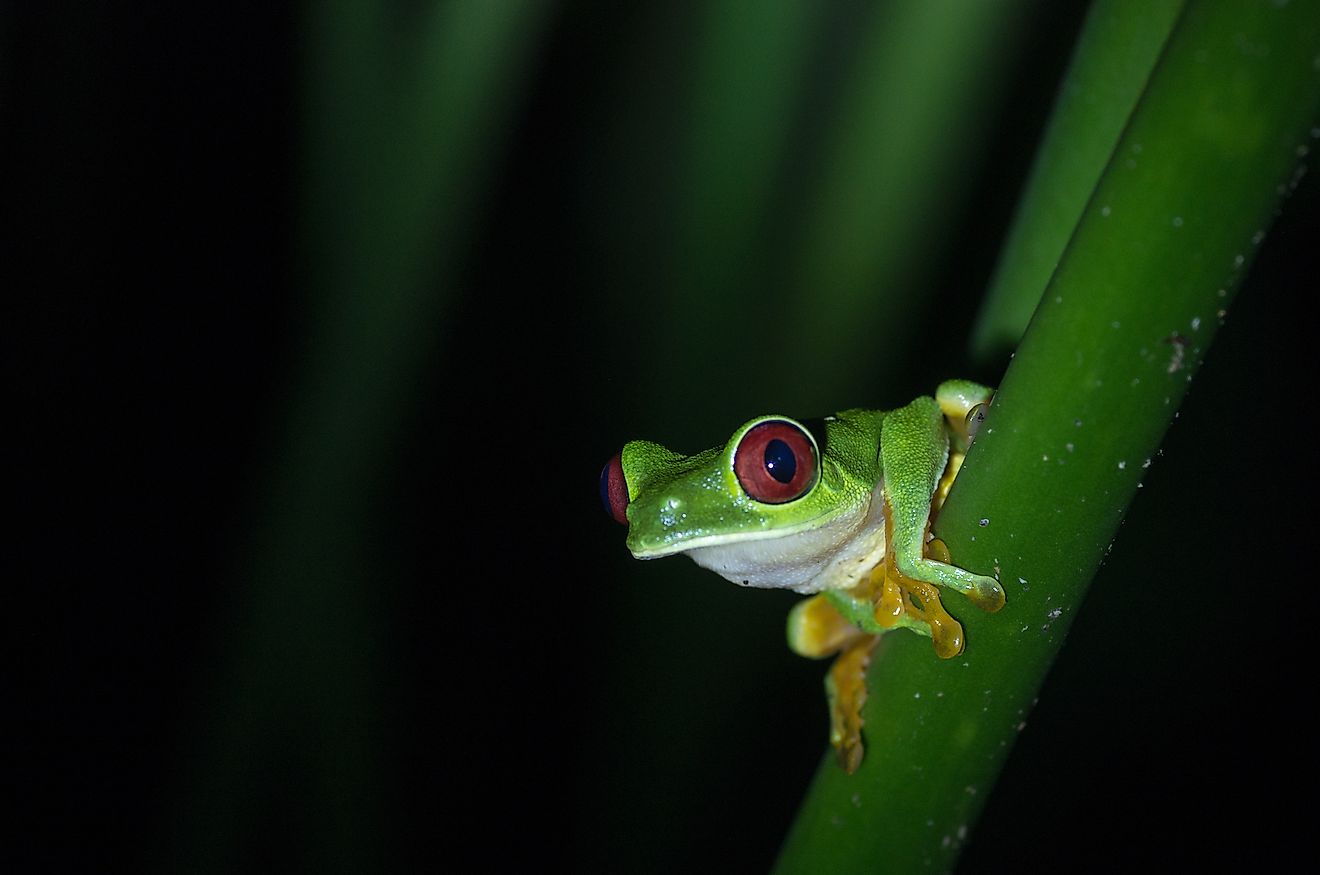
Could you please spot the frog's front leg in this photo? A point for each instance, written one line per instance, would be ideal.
(914, 450)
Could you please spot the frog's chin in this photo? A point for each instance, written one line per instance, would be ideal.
(835, 554)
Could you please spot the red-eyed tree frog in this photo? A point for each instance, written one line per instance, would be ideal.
(838, 508)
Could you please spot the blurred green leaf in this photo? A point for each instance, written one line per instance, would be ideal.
(894, 162)
(1115, 54)
(403, 112)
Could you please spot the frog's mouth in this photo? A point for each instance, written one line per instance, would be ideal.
(800, 558)
(679, 539)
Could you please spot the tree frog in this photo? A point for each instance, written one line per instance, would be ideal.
(838, 508)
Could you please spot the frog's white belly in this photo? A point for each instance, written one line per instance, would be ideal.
(836, 555)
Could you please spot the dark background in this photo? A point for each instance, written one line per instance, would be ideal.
(480, 675)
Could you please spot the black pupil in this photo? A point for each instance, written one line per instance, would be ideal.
(780, 461)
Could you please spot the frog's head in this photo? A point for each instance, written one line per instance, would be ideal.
(770, 480)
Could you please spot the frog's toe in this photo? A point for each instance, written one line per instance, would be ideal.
(922, 608)
(987, 594)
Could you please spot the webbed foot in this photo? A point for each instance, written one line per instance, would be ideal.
(916, 605)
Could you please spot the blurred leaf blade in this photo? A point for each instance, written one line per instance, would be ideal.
(401, 116)
(1116, 51)
(1212, 148)
(893, 164)
(750, 73)
(750, 70)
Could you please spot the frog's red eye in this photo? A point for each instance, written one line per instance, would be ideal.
(776, 462)
(614, 490)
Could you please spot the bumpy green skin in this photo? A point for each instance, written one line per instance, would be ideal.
(683, 503)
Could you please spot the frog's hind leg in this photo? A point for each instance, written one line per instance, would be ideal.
(845, 685)
(816, 628)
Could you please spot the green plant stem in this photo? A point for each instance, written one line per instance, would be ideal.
(1211, 149)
